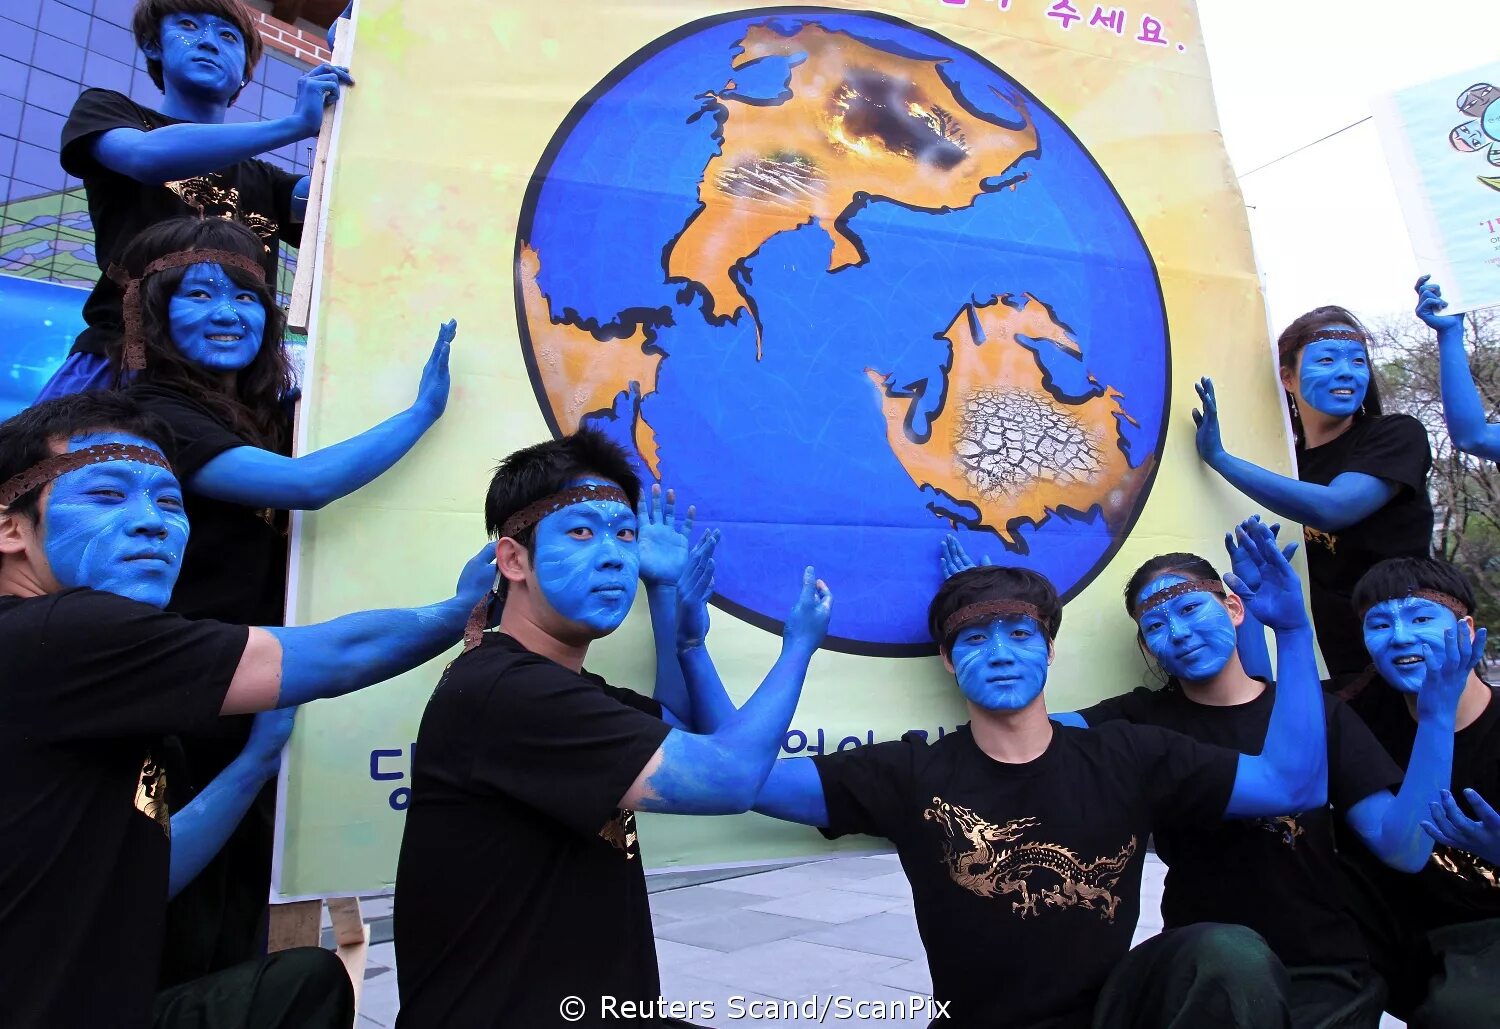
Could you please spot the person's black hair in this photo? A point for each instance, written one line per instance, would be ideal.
(1189, 566)
(43, 430)
(1401, 576)
(252, 409)
(1302, 331)
(542, 469)
(993, 582)
(146, 25)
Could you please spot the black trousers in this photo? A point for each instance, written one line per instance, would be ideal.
(302, 988)
(1463, 987)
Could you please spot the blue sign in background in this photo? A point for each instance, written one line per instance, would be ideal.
(38, 323)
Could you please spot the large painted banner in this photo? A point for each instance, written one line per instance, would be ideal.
(847, 276)
(1442, 142)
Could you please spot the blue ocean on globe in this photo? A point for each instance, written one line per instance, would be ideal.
(782, 384)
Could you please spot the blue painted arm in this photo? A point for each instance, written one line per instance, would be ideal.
(1479, 836)
(300, 193)
(794, 793)
(1348, 499)
(707, 697)
(1072, 718)
(187, 149)
(1290, 774)
(200, 829)
(1391, 824)
(1463, 407)
(259, 478)
(360, 649)
(722, 772)
(664, 554)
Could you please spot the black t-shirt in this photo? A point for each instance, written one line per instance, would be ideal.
(1454, 886)
(520, 879)
(1026, 877)
(1279, 876)
(233, 570)
(254, 193)
(1393, 447)
(91, 682)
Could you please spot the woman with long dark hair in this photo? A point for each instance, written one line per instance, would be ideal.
(202, 351)
(1361, 486)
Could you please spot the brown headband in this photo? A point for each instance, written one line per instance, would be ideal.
(1452, 603)
(46, 470)
(133, 355)
(533, 513)
(1350, 334)
(989, 610)
(1161, 596)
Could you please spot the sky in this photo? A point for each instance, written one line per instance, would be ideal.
(1326, 223)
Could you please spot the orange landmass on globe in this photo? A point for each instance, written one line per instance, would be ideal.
(1001, 442)
(582, 373)
(860, 122)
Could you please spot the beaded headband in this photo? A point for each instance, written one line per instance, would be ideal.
(1161, 596)
(533, 513)
(1349, 334)
(46, 470)
(1452, 603)
(988, 610)
(133, 356)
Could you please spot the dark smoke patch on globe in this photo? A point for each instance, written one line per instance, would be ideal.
(847, 287)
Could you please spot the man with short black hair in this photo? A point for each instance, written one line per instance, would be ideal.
(1024, 840)
(92, 531)
(520, 881)
(1435, 936)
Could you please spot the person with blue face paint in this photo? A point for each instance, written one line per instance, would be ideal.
(1435, 936)
(1361, 486)
(1024, 839)
(96, 674)
(203, 345)
(141, 166)
(1463, 408)
(520, 882)
(1279, 876)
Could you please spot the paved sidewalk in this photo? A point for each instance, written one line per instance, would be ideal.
(839, 927)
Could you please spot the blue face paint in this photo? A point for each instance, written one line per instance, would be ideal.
(1192, 636)
(117, 526)
(587, 562)
(215, 322)
(1334, 376)
(202, 53)
(1395, 631)
(1001, 665)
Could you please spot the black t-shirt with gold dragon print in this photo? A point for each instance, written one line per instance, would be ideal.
(520, 881)
(1026, 877)
(254, 193)
(1279, 876)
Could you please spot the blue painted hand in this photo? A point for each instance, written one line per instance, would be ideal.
(316, 90)
(1239, 560)
(694, 588)
(808, 622)
(664, 540)
(1191, 636)
(118, 526)
(1001, 665)
(1334, 376)
(478, 576)
(1276, 598)
(587, 562)
(1430, 305)
(954, 558)
(1209, 439)
(201, 54)
(214, 321)
(432, 391)
(1479, 836)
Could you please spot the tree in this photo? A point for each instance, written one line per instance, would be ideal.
(1465, 489)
